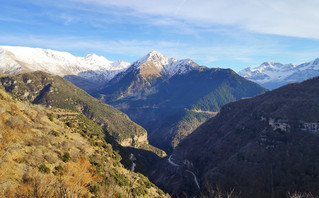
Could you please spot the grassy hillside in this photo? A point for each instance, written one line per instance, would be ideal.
(59, 153)
(50, 90)
(191, 120)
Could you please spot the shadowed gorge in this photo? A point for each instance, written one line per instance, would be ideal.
(261, 147)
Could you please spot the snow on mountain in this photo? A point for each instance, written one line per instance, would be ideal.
(158, 59)
(180, 67)
(273, 75)
(166, 66)
(92, 67)
(14, 60)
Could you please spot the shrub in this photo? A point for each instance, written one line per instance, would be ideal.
(120, 179)
(69, 124)
(57, 170)
(148, 185)
(54, 133)
(94, 188)
(136, 192)
(44, 169)
(51, 117)
(66, 157)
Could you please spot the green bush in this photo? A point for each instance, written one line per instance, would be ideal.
(54, 133)
(57, 170)
(44, 169)
(148, 185)
(94, 189)
(120, 179)
(136, 192)
(69, 124)
(66, 157)
(51, 117)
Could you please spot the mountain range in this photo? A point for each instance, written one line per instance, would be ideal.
(273, 75)
(170, 98)
(264, 146)
(92, 72)
(154, 90)
(69, 125)
(92, 68)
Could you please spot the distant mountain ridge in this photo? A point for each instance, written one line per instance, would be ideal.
(168, 97)
(90, 72)
(273, 75)
(15, 60)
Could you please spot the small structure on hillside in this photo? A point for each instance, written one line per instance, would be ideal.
(312, 127)
(281, 124)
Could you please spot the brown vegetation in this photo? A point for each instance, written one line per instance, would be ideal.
(41, 155)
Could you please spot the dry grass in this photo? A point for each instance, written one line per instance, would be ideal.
(32, 145)
(301, 195)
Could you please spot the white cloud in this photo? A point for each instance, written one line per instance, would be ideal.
(282, 17)
(67, 20)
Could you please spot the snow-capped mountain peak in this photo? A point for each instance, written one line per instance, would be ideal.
(166, 66)
(92, 67)
(156, 57)
(272, 75)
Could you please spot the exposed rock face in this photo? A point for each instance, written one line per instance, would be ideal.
(135, 140)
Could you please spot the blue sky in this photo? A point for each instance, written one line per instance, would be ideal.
(228, 34)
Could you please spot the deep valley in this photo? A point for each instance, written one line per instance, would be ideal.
(157, 127)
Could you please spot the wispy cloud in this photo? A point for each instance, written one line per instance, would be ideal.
(229, 33)
(286, 17)
(67, 19)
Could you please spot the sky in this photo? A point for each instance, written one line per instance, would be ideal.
(216, 33)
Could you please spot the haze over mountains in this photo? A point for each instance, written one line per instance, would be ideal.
(273, 75)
